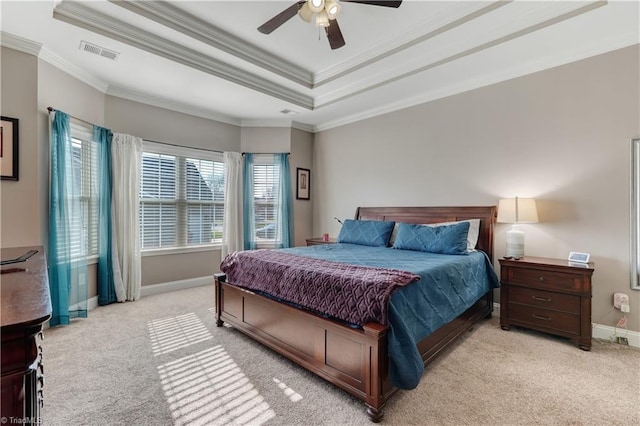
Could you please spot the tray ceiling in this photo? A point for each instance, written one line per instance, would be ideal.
(206, 57)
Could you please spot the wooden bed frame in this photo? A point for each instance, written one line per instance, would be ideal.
(352, 359)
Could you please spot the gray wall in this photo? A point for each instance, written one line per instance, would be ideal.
(265, 139)
(20, 216)
(561, 136)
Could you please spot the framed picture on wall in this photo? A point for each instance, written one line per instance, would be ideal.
(303, 184)
(8, 148)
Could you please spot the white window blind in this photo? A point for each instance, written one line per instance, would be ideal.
(266, 181)
(181, 197)
(83, 232)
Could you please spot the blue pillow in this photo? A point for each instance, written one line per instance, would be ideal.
(446, 239)
(366, 232)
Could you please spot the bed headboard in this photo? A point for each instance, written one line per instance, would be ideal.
(486, 214)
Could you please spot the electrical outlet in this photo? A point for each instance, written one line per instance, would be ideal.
(622, 340)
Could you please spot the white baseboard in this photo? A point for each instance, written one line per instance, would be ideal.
(606, 332)
(148, 290)
(92, 303)
(599, 331)
(496, 309)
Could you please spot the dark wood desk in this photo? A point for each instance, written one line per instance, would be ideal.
(25, 306)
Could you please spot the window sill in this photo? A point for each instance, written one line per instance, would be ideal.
(180, 250)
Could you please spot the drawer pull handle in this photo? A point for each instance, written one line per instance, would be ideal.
(540, 317)
(541, 279)
(541, 299)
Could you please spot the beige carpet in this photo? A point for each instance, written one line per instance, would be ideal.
(162, 361)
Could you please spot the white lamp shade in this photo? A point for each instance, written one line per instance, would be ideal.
(517, 210)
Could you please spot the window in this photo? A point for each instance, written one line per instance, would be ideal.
(266, 182)
(181, 197)
(84, 227)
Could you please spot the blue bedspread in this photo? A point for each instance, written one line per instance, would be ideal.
(449, 285)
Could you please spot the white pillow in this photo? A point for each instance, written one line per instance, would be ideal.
(472, 235)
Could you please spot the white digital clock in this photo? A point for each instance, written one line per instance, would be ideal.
(575, 256)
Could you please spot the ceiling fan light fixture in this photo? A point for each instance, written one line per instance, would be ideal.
(333, 8)
(322, 19)
(316, 5)
(305, 12)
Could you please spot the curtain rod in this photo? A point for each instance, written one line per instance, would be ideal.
(266, 153)
(75, 118)
(183, 146)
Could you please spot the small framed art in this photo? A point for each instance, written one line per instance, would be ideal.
(8, 148)
(303, 184)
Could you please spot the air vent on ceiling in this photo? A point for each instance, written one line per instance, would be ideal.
(97, 50)
(289, 112)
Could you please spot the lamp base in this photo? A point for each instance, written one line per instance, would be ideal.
(515, 242)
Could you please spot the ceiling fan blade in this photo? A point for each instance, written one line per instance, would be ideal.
(282, 17)
(395, 4)
(334, 35)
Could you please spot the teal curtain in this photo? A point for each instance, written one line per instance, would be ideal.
(106, 287)
(248, 223)
(285, 211)
(67, 242)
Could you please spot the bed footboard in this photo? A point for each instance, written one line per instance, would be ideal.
(354, 360)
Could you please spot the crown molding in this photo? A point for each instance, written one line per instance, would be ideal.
(275, 122)
(284, 123)
(602, 47)
(303, 126)
(170, 16)
(159, 102)
(36, 49)
(71, 69)
(19, 43)
(84, 17)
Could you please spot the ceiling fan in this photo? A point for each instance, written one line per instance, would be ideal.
(325, 11)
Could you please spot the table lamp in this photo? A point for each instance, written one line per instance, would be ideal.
(516, 210)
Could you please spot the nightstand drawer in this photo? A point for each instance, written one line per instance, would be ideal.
(545, 279)
(545, 319)
(545, 299)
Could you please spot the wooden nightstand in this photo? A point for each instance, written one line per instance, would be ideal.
(319, 241)
(549, 295)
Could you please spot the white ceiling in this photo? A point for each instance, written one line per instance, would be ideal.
(206, 57)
